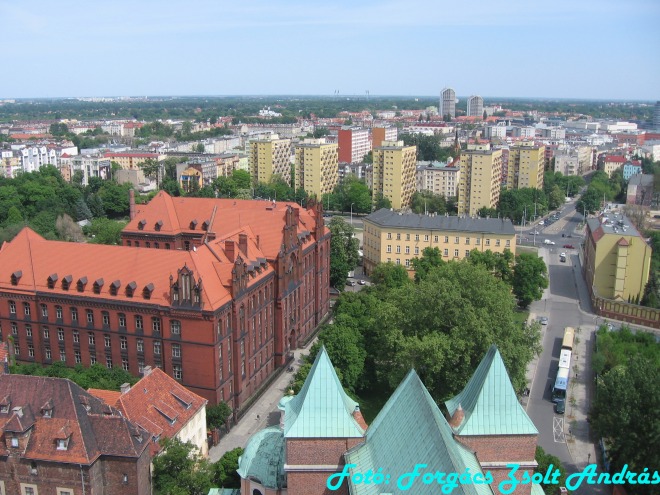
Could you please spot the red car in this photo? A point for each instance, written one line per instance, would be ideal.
(569, 246)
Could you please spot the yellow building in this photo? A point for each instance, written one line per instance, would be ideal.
(316, 166)
(526, 166)
(267, 157)
(132, 161)
(394, 172)
(398, 238)
(480, 179)
(191, 179)
(617, 260)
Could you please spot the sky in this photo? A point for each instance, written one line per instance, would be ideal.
(604, 49)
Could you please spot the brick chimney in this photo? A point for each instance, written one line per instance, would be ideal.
(125, 387)
(131, 203)
(242, 244)
(230, 250)
(456, 420)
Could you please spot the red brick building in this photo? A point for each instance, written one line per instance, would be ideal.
(218, 317)
(59, 439)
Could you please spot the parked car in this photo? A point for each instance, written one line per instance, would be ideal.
(569, 246)
(562, 257)
(560, 406)
(536, 232)
(351, 283)
(543, 320)
(362, 282)
(542, 222)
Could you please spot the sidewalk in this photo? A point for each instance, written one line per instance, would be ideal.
(262, 413)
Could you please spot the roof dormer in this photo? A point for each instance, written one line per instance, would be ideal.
(114, 287)
(51, 281)
(158, 225)
(62, 437)
(5, 404)
(80, 285)
(147, 291)
(66, 282)
(16, 276)
(141, 224)
(206, 224)
(193, 224)
(130, 289)
(98, 285)
(47, 409)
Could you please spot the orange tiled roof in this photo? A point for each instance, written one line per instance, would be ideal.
(110, 397)
(37, 259)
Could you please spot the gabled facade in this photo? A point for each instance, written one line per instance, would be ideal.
(59, 439)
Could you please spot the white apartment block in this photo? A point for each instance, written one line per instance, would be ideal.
(91, 166)
(438, 179)
(495, 131)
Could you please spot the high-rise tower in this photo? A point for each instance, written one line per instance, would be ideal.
(448, 103)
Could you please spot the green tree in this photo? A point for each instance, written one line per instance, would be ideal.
(242, 179)
(171, 187)
(151, 169)
(390, 275)
(556, 198)
(58, 129)
(651, 298)
(368, 158)
(95, 204)
(427, 202)
(344, 256)
(544, 461)
(216, 416)
(224, 471)
(485, 212)
(14, 216)
(115, 198)
(499, 264)
(431, 258)
(382, 202)
(105, 231)
(345, 349)
(200, 148)
(179, 469)
(82, 210)
(626, 411)
(529, 278)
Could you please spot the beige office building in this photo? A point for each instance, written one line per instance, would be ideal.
(394, 172)
(269, 156)
(526, 166)
(398, 238)
(316, 166)
(480, 180)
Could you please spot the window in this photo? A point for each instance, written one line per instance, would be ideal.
(457, 240)
(467, 241)
(435, 239)
(467, 253)
(398, 249)
(426, 237)
(407, 249)
(407, 262)
(417, 237)
(33, 469)
(497, 242)
(389, 248)
(487, 242)
(122, 320)
(28, 331)
(407, 237)
(157, 348)
(155, 325)
(76, 336)
(60, 334)
(398, 237)
(108, 362)
(167, 245)
(48, 353)
(416, 250)
(26, 309)
(124, 364)
(140, 345)
(123, 342)
(398, 261)
(90, 316)
(105, 316)
(12, 307)
(92, 359)
(58, 312)
(138, 322)
(176, 350)
(477, 241)
(14, 441)
(92, 340)
(389, 235)
(46, 332)
(61, 444)
(106, 339)
(62, 355)
(17, 349)
(30, 350)
(74, 314)
(140, 365)
(77, 357)
(446, 238)
(508, 243)
(176, 371)
(175, 327)
(44, 311)
(456, 253)
(14, 328)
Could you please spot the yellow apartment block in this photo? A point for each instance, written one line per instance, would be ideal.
(316, 166)
(526, 166)
(617, 260)
(394, 172)
(480, 180)
(267, 157)
(398, 238)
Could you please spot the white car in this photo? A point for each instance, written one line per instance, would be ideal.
(548, 241)
(542, 222)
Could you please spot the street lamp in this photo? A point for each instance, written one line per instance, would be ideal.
(352, 214)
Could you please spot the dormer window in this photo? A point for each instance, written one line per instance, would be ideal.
(114, 287)
(14, 442)
(158, 225)
(193, 224)
(16, 276)
(51, 281)
(147, 291)
(141, 224)
(98, 284)
(82, 282)
(5, 405)
(66, 282)
(130, 289)
(205, 225)
(62, 443)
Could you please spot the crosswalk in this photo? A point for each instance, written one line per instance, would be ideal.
(558, 430)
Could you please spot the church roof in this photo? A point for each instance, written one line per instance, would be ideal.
(410, 430)
(263, 458)
(321, 408)
(489, 403)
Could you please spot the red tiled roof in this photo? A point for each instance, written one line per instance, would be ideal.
(623, 242)
(92, 428)
(110, 397)
(616, 159)
(38, 259)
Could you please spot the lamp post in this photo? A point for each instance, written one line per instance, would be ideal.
(352, 214)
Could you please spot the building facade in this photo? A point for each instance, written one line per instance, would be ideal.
(640, 190)
(394, 171)
(439, 179)
(630, 169)
(353, 143)
(130, 161)
(617, 259)
(526, 166)
(475, 106)
(380, 134)
(480, 180)
(316, 167)
(270, 156)
(448, 103)
(90, 166)
(391, 237)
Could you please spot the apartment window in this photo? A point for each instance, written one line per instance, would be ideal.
(407, 262)
(457, 240)
(90, 316)
(497, 242)
(106, 340)
(77, 356)
(508, 243)
(446, 238)
(477, 241)
(49, 355)
(29, 489)
(175, 327)
(44, 311)
(398, 250)
(389, 248)
(417, 237)
(467, 253)
(176, 350)
(426, 238)
(435, 239)
(157, 348)
(407, 237)
(30, 350)
(467, 241)
(416, 250)
(76, 337)
(398, 237)
(60, 334)
(140, 345)
(58, 312)
(140, 365)
(389, 235)
(407, 249)
(487, 242)
(398, 261)
(12, 307)
(176, 371)
(92, 339)
(122, 320)
(155, 325)
(105, 316)
(26, 309)
(138, 322)
(92, 359)
(62, 355)
(46, 332)
(74, 314)
(14, 328)
(108, 362)
(124, 364)
(243, 368)
(17, 349)
(456, 253)
(123, 342)
(28, 331)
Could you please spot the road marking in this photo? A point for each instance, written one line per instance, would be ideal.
(558, 430)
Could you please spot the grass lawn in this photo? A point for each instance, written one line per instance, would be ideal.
(520, 316)
(527, 249)
(371, 404)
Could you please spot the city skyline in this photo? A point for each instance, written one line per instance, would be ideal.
(566, 50)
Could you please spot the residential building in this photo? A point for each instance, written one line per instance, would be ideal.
(617, 259)
(236, 285)
(398, 238)
(192, 178)
(322, 433)
(57, 438)
(359, 170)
(133, 160)
(612, 163)
(480, 180)
(90, 166)
(475, 106)
(553, 133)
(316, 167)
(354, 143)
(438, 178)
(269, 156)
(394, 169)
(526, 166)
(630, 169)
(567, 163)
(527, 132)
(640, 190)
(161, 406)
(448, 103)
(495, 131)
(380, 134)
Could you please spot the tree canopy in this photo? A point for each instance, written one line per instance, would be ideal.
(181, 470)
(344, 256)
(529, 278)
